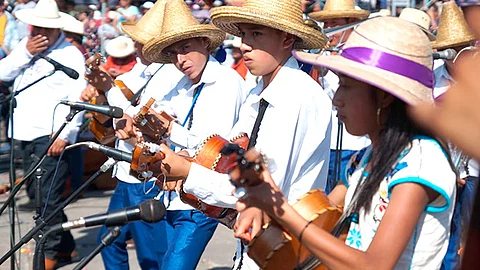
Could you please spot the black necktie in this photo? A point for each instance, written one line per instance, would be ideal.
(261, 111)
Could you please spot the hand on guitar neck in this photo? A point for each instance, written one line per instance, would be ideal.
(96, 75)
(153, 126)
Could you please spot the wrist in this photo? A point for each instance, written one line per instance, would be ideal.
(167, 131)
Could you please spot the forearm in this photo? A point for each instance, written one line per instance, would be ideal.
(12, 65)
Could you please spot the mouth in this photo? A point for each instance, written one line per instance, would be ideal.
(187, 70)
(341, 117)
(247, 60)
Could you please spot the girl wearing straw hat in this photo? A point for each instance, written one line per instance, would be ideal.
(398, 198)
(205, 101)
(151, 80)
(342, 144)
(287, 114)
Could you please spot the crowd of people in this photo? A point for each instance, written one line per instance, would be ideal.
(366, 117)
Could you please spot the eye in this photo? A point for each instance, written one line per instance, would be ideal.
(242, 34)
(256, 34)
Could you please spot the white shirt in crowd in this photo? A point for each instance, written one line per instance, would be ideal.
(294, 134)
(423, 163)
(443, 81)
(163, 81)
(36, 114)
(216, 110)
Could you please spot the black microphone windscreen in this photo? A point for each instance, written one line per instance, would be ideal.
(116, 112)
(152, 210)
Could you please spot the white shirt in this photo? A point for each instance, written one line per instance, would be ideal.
(164, 79)
(36, 105)
(330, 83)
(215, 112)
(423, 163)
(294, 134)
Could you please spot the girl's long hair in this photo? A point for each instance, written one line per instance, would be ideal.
(396, 136)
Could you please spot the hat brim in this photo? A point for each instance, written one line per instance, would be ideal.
(430, 36)
(153, 50)
(28, 16)
(334, 14)
(227, 18)
(120, 54)
(131, 29)
(444, 44)
(402, 87)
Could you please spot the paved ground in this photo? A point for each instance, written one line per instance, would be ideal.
(218, 254)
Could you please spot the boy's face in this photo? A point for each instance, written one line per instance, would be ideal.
(189, 56)
(263, 48)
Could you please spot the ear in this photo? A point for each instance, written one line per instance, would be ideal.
(288, 40)
(384, 99)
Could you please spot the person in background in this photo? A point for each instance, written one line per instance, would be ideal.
(145, 7)
(9, 37)
(121, 56)
(127, 12)
(23, 30)
(342, 144)
(238, 63)
(74, 32)
(23, 66)
(109, 29)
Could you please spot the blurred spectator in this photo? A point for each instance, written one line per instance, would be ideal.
(146, 7)
(238, 62)
(121, 56)
(128, 13)
(74, 32)
(8, 31)
(23, 30)
(109, 29)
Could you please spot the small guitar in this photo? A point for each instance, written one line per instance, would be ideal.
(208, 155)
(150, 126)
(273, 247)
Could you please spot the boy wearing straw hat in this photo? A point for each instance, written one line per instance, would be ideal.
(24, 67)
(454, 33)
(287, 114)
(152, 80)
(342, 144)
(205, 101)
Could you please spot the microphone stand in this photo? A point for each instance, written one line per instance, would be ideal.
(106, 240)
(42, 222)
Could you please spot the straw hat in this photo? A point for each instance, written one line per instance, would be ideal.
(339, 9)
(45, 14)
(284, 15)
(419, 18)
(179, 24)
(453, 29)
(149, 26)
(73, 25)
(387, 52)
(120, 47)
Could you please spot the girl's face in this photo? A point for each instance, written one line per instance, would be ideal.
(357, 107)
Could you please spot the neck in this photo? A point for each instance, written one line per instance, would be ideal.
(268, 78)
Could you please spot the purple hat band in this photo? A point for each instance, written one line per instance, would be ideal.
(391, 63)
(464, 3)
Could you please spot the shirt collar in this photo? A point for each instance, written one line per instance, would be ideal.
(209, 75)
(271, 93)
(58, 43)
(443, 73)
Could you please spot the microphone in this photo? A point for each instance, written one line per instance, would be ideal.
(448, 54)
(69, 71)
(149, 211)
(111, 152)
(111, 111)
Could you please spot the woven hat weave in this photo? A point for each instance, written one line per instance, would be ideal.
(180, 24)
(45, 14)
(149, 26)
(284, 15)
(452, 30)
(387, 52)
(335, 9)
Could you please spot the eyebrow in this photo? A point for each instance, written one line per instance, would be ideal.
(251, 27)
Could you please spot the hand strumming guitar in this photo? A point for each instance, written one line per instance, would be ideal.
(88, 93)
(124, 128)
(154, 126)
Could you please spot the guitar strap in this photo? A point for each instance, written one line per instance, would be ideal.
(136, 97)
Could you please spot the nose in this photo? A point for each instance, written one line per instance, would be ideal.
(181, 58)
(245, 47)
(337, 100)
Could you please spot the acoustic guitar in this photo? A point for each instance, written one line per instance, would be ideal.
(275, 248)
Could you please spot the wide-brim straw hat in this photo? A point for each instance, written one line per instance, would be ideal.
(453, 30)
(149, 26)
(45, 14)
(419, 18)
(283, 15)
(335, 9)
(386, 52)
(180, 24)
(73, 25)
(120, 47)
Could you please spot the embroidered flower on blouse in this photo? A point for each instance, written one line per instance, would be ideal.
(354, 238)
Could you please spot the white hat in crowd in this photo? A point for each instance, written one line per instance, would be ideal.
(120, 47)
(45, 14)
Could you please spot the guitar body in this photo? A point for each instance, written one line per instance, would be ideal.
(101, 125)
(275, 249)
(209, 156)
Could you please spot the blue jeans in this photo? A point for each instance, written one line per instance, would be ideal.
(149, 238)
(331, 181)
(461, 219)
(188, 233)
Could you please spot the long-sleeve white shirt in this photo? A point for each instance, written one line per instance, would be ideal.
(36, 105)
(216, 110)
(163, 81)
